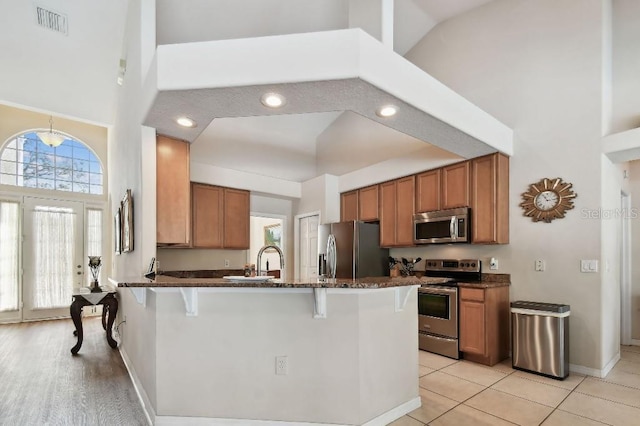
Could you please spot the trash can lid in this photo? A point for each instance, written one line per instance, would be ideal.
(541, 306)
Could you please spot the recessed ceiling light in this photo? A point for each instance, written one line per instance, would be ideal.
(186, 122)
(387, 111)
(273, 100)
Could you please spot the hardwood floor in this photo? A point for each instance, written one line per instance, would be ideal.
(42, 383)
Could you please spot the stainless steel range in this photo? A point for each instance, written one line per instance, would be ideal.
(438, 305)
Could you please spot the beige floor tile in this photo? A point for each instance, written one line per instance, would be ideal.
(433, 406)
(450, 386)
(423, 371)
(503, 366)
(635, 349)
(599, 409)
(562, 418)
(509, 407)
(464, 415)
(570, 382)
(406, 421)
(627, 367)
(433, 361)
(476, 373)
(533, 391)
(630, 356)
(610, 391)
(623, 378)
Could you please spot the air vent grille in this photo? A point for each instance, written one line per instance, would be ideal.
(52, 20)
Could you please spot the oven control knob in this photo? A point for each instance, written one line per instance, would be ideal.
(473, 264)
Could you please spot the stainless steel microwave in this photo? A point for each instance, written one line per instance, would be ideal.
(442, 226)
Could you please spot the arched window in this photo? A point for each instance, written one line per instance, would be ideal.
(26, 161)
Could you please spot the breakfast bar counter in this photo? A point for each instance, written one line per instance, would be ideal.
(284, 351)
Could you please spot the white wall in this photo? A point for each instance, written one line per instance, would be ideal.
(538, 69)
(626, 65)
(320, 194)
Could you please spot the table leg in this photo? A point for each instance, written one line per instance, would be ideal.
(111, 303)
(76, 312)
(105, 309)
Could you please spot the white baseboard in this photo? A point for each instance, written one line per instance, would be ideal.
(635, 342)
(381, 420)
(594, 371)
(149, 412)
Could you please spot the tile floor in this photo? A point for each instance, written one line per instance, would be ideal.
(463, 393)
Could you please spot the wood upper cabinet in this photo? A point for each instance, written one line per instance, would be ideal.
(490, 199)
(173, 199)
(455, 186)
(396, 212)
(236, 219)
(208, 219)
(428, 191)
(388, 192)
(484, 324)
(349, 206)
(368, 203)
(220, 217)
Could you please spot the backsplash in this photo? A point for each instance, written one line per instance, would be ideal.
(196, 259)
(459, 251)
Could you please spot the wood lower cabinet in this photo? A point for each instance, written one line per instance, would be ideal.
(455, 186)
(349, 206)
(484, 324)
(236, 219)
(490, 199)
(396, 212)
(173, 200)
(428, 191)
(220, 217)
(368, 203)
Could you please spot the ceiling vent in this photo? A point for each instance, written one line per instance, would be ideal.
(52, 20)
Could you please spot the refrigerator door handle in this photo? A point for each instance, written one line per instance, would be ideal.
(332, 258)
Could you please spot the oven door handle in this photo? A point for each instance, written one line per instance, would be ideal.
(438, 290)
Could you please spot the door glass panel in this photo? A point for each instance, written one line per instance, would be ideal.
(54, 237)
(9, 249)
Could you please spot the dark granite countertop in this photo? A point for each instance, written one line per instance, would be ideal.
(194, 281)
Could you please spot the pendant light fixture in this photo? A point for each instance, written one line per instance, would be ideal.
(51, 138)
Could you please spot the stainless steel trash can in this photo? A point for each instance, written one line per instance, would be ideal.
(540, 338)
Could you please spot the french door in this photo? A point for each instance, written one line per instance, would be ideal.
(53, 254)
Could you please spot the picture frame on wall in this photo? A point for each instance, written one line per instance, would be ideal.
(127, 222)
(117, 231)
(273, 236)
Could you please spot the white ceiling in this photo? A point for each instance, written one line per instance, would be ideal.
(75, 75)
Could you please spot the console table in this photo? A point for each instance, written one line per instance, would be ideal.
(106, 298)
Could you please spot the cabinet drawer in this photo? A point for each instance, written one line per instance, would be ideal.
(472, 294)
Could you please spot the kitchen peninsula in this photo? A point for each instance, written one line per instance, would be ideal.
(205, 349)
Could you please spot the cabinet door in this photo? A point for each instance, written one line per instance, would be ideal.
(173, 192)
(368, 203)
(236, 219)
(207, 202)
(388, 214)
(349, 206)
(428, 191)
(455, 185)
(405, 198)
(472, 327)
(490, 199)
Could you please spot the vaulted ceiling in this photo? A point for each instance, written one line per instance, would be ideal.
(74, 75)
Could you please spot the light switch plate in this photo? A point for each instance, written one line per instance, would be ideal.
(589, 266)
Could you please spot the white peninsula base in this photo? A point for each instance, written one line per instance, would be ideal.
(357, 366)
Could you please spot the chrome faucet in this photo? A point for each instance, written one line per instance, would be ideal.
(259, 266)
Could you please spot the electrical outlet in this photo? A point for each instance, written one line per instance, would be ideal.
(589, 266)
(282, 367)
(540, 265)
(226, 263)
(493, 264)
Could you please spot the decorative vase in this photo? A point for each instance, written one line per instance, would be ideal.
(94, 266)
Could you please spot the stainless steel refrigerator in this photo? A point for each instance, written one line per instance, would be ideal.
(351, 250)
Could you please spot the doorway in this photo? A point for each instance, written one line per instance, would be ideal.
(625, 269)
(267, 229)
(307, 246)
